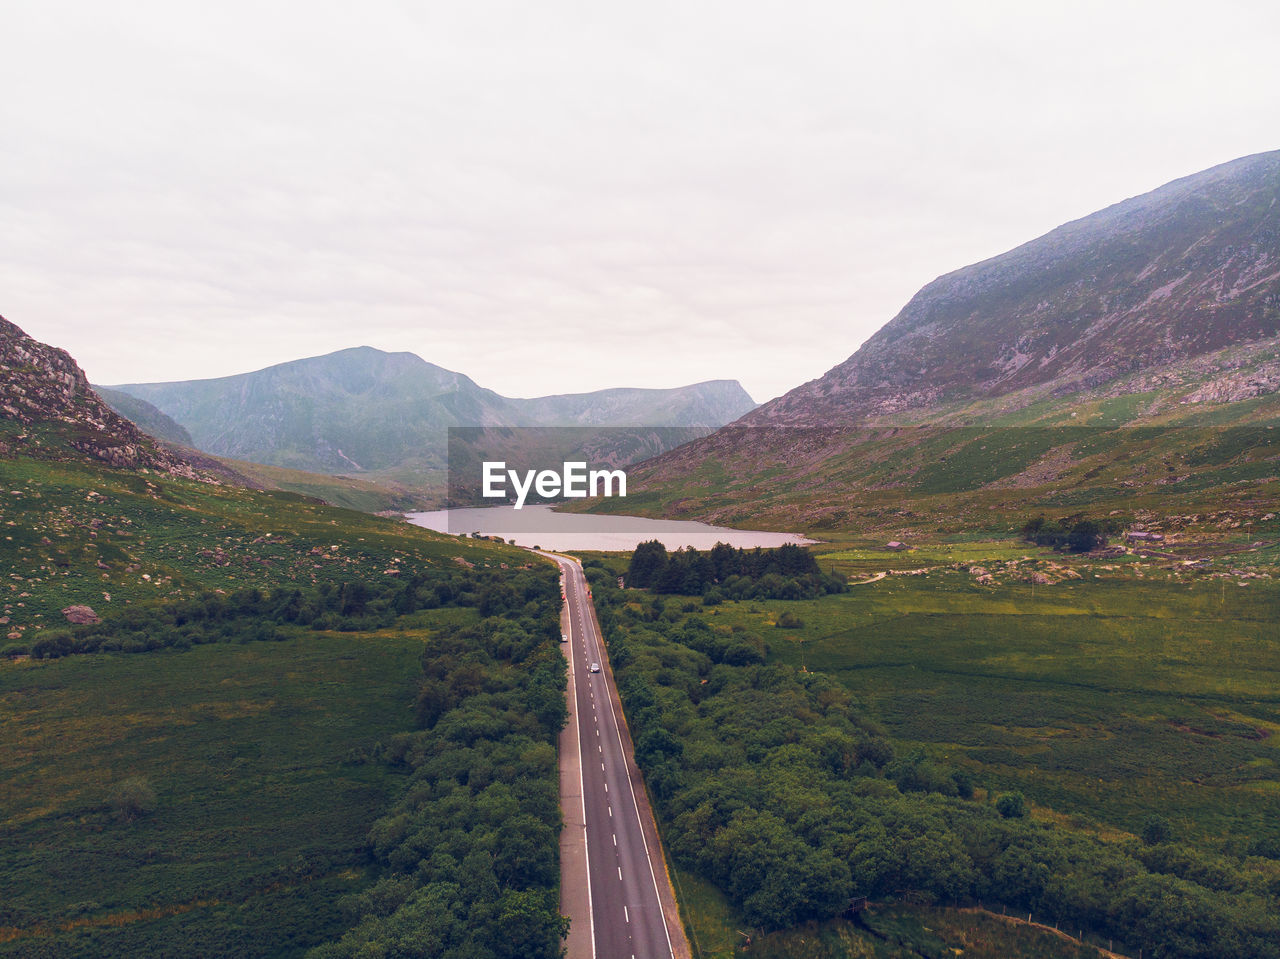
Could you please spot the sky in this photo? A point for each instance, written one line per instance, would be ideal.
(566, 196)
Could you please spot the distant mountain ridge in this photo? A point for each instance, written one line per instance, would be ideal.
(145, 416)
(364, 410)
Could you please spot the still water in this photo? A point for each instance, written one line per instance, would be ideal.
(542, 526)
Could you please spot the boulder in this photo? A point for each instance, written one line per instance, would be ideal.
(81, 615)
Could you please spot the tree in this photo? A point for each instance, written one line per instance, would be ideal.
(1085, 535)
(647, 564)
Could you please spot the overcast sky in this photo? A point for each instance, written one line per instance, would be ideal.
(563, 196)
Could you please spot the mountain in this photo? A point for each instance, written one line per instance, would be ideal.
(145, 416)
(713, 403)
(1161, 312)
(362, 410)
(49, 411)
(1185, 270)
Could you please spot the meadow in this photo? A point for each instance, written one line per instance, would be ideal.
(256, 755)
(1101, 699)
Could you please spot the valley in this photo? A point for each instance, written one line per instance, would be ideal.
(1010, 691)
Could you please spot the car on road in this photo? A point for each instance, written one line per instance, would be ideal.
(564, 637)
(595, 667)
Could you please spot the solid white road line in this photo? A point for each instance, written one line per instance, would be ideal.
(582, 783)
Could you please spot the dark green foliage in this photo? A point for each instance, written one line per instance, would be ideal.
(250, 615)
(1075, 533)
(1012, 805)
(725, 572)
(1156, 829)
(469, 856)
(647, 563)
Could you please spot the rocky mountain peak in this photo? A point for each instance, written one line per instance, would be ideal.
(41, 385)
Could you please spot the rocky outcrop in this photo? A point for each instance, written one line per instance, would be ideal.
(42, 386)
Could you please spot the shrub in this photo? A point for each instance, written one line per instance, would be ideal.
(1155, 830)
(131, 799)
(1012, 805)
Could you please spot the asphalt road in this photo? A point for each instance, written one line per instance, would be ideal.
(625, 869)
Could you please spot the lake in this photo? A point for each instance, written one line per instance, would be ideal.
(542, 526)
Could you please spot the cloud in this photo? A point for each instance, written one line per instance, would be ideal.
(566, 196)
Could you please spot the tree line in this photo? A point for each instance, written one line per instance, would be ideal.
(1077, 534)
(249, 615)
(726, 572)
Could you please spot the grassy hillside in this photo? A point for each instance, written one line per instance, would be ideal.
(1196, 446)
(79, 534)
(385, 495)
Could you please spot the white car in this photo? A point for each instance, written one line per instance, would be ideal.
(595, 667)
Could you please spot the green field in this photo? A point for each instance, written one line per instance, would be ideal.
(883, 932)
(262, 800)
(1100, 699)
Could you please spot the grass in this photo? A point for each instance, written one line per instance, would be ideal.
(1101, 698)
(346, 491)
(79, 534)
(885, 931)
(262, 802)
(255, 753)
(908, 932)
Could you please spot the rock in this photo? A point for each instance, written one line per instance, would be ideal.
(81, 615)
(43, 384)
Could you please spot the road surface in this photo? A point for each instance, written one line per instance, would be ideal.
(630, 908)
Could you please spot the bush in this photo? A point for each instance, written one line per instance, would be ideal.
(1155, 830)
(131, 799)
(1012, 805)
